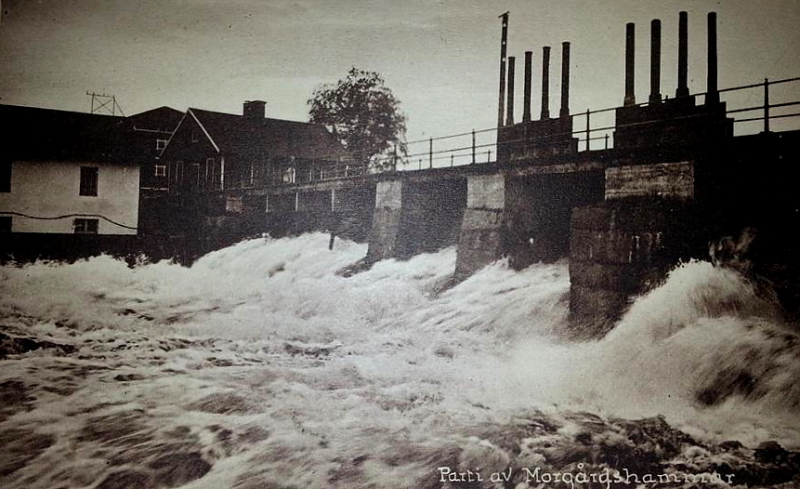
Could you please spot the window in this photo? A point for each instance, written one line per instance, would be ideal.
(5, 176)
(85, 226)
(161, 144)
(195, 136)
(161, 170)
(88, 181)
(5, 224)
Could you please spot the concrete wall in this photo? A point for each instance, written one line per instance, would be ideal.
(624, 248)
(658, 180)
(481, 241)
(385, 220)
(51, 188)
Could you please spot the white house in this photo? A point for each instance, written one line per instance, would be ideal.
(66, 172)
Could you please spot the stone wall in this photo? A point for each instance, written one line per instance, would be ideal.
(621, 249)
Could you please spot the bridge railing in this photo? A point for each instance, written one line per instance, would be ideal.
(594, 129)
(773, 109)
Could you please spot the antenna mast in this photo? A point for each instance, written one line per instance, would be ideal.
(104, 104)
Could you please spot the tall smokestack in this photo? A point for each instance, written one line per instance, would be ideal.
(630, 46)
(655, 61)
(712, 95)
(526, 110)
(564, 79)
(683, 55)
(510, 106)
(503, 42)
(545, 83)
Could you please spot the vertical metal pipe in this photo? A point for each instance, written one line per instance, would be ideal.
(526, 101)
(510, 103)
(655, 61)
(683, 55)
(430, 153)
(564, 79)
(712, 95)
(630, 47)
(766, 104)
(503, 43)
(588, 130)
(473, 146)
(545, 83)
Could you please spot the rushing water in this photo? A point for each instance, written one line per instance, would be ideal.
(260, 367)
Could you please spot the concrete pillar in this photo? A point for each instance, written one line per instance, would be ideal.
(481, 239)
(385, 231)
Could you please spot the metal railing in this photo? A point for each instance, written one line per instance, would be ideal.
(478, 146)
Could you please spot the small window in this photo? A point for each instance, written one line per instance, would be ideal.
(5, 224)
(5, 176)
(195, 136)
(161, 170)
(85, 226)
(88, 181)
(161, 144)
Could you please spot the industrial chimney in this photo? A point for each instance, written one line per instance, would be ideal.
(712, 95)
(564, 79)
(545, 83)
(655, 61)
(254, 109)
(510, 104)
(526, 110)
(630, 46)
(683, 55)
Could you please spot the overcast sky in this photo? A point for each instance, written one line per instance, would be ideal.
(439, 57)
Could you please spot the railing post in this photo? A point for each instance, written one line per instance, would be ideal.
(430, 153)
(588, 130)
(473, 146)
(606, 141)
(394, 159)
(420, 163)
(451, 160)
(766, 104)
(489, 156)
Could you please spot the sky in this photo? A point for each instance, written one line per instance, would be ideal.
(440, 58)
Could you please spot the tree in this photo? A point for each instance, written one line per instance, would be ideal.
(363, 114)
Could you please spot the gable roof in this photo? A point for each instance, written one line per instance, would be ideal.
(237, 134)
(35, 134)
(163, 119)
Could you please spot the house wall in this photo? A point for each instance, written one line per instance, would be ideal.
(51, 189)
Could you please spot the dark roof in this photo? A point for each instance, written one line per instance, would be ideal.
(163, 119)
(31, 133)
(237, 134)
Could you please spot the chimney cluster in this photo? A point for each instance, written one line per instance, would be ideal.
(506, 100)
(712, 95)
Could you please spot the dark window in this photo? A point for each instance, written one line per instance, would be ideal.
(5, 224)
(85, 226)
(161, 144)
(88, 181)
(195, 136)
(161, 170)
(5, 176)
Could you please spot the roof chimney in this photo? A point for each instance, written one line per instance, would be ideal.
(254, 109)
(545, 83)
